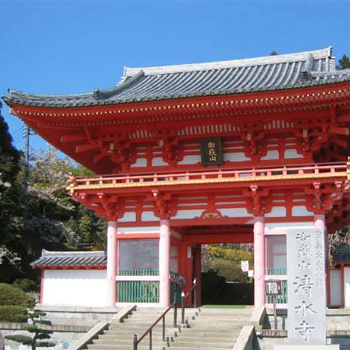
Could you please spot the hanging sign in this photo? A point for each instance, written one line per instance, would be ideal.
(273, 288)
(211, 151)
(245, 265)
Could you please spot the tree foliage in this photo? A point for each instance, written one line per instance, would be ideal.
(344, 62)
(39, 332)
(225, 260)
(54, 221)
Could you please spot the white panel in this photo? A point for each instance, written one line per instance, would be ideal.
(291, 154)
(287, 225)
(236, 157)
(277, 212)
(347, 286)
(148, 216)
(270, 155)
(335, 278)
(75, 287)
(128, 217)
(235, 212)
(145, 229)
(301, 210)
(140, 162)
(188, 214)
(190, 160)
(158, 161)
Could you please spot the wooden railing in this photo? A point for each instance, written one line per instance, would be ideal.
(292, 171)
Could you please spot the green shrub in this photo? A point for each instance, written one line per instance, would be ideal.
(25, 284)
(13, 313)
(230, 270)
(10, 295)
(230, 254)
(211, 284)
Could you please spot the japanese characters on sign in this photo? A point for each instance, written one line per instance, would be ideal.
(273, 288)
(211, 151)
(306, 287)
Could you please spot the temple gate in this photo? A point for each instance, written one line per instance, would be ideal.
(236, 151)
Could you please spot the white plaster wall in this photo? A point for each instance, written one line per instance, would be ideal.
(190, 160)
(335, 279)
(235, 213)
(75, 287)
(140, 162)
(236, 157)
(301, 211)
(271, 155)
(148, 216)
(188, 214)
(277, 212)
(347, 286)
(131, 230)
(292, 154)
(128, 217)
(158, 161)
(271, 226)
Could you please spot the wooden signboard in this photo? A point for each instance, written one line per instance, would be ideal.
(273, 288)
(211, 151)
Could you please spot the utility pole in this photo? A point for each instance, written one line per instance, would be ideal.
(26, 176)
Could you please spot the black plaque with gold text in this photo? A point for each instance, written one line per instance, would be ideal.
(211, 151)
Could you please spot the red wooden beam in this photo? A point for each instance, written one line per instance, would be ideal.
(339, 130)
(218, 238)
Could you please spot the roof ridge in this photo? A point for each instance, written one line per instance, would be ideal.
(104, 94)
(334, 72)
(317, 54)
(92, 252)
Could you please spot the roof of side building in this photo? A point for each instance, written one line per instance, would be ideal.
(70, 259)
(278, 72)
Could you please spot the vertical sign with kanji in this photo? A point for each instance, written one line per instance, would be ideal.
(211, 151)
(306, 287)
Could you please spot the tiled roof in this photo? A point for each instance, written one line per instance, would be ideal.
(70, 259)
(279, 72)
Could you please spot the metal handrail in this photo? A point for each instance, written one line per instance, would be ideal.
(184, 297)
(137, 340)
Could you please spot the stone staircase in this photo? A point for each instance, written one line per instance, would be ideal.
(213, 329)
(205, 329)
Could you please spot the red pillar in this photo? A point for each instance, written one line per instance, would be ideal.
(186, 268)
(197, 258)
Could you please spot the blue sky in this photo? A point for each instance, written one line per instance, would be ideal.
(68, 47)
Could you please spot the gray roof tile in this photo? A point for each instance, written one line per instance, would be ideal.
(70, 259)
(192, 80)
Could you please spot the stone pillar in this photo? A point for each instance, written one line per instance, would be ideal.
(320, 222)
(164, 263)
(259, 261)
(111, 263)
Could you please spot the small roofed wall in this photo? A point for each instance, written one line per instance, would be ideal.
(74, 287)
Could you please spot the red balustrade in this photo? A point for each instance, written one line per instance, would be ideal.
(304, 170)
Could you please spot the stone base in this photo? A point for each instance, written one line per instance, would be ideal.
(307, 347)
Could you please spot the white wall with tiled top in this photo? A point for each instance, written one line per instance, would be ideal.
(74, 287)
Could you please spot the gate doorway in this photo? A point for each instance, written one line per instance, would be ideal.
(214, 284)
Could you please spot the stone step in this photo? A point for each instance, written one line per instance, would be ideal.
(159, 347)
(206, 330)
